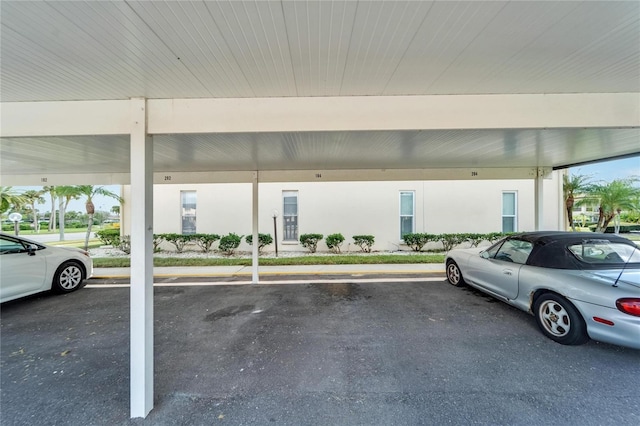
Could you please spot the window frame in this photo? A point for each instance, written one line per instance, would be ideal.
(288, 193)
(413, 212)
(515, 211)
(183, 214)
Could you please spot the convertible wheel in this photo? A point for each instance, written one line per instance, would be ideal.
(68, 277)
(559, 320)
(454, 276)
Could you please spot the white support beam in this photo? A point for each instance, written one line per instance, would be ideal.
(141, 316)
(562, 211)
(346, 175)
(345, 113)
(70, 118)
(354, 113)
(45, 178)
(539, 200)
(368, 175)
(256, 241)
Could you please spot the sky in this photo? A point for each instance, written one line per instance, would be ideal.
(605, 171)
(610, 170)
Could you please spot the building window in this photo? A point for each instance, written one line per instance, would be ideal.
(290, 215)
(509, 212)
(188, 203)
(407, 213)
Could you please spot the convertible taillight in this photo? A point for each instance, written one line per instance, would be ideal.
(629, 305)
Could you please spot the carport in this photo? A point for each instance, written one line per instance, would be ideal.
(209, 92)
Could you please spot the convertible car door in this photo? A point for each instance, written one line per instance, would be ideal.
(499, 272)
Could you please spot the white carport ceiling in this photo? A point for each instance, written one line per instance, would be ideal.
(103, 50)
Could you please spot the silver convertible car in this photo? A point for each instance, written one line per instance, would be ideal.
(28, 267)
(577, 285)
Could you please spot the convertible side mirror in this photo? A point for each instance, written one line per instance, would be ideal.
(484, 255)
(31, 249)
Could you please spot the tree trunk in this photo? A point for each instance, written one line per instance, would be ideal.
(600, 219)
(86, 238)
(52, 216)
(91, 209)
(36, 224)
(569, 204)
(61, 218)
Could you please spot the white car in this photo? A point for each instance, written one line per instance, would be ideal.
(28, 267)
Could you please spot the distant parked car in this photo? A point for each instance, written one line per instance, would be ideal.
(577, 285)
(28, 267)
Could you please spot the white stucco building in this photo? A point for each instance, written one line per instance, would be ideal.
(386, 210)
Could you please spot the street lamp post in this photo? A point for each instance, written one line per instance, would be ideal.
(16, 218)
(275, 230)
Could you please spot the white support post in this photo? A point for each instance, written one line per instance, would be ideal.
(562, 211)
(141, 316)
(539, 197)
(256, 241)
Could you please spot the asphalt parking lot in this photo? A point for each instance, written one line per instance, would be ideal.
(334, 353)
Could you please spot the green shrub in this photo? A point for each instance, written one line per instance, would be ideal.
(475, 239)
(417, 241)
(124, 244)
(310, 241)
(205, 241)
(229, 243)
(624, 228)
(178, 240)
(365, 242)
(157, 240)
(263, 241)
(74, 224)
(494, 236)
(109, 236)
(630, 217)
(449, 241)
(334, 241)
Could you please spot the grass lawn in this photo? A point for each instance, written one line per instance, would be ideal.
(345, 259)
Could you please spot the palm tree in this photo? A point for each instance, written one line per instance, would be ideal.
(572, 186)
(10, 198)
(65, 194)
(51, 190)
(89, 191)
(614, 197)
(32, 197)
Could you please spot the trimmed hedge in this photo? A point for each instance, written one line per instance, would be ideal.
(204, 241)
(418, 240)
(365, 242)
(178, 240)
(310, 241)
(263, 241)
(109, 237)
(229, 243)
(624, 228)
(334, 241)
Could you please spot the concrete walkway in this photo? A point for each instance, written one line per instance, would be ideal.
(222, 271)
